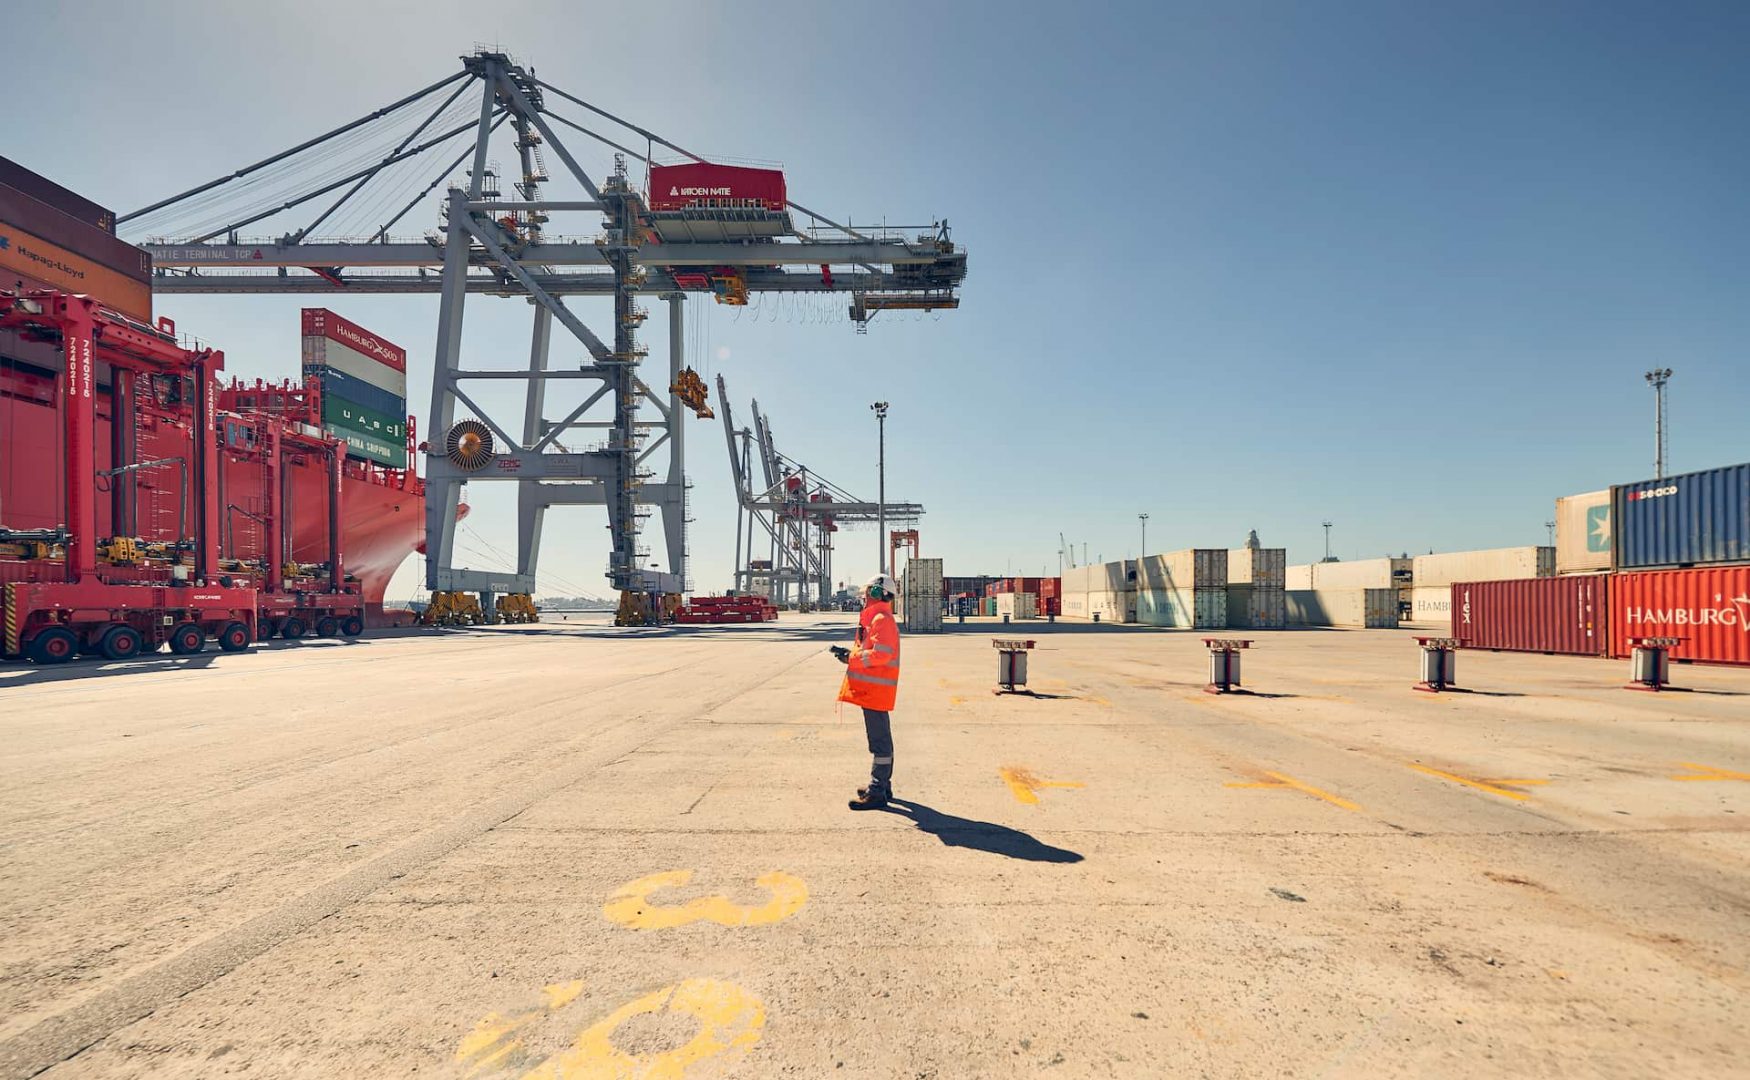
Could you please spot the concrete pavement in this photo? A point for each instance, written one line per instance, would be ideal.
(572, 851)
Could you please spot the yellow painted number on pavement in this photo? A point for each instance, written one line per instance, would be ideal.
(1024, 785)
(729, 1021)
(497, 1041)
(631, 906)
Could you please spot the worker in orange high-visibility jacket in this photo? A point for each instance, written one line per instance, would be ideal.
(872, 684)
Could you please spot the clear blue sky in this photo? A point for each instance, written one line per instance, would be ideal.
(1241, 265)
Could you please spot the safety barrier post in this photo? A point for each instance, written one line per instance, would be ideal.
(1011, 664)
(1650, 662)
(1224, 664)
(1439, 668)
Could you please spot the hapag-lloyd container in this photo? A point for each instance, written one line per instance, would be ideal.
(1709, 608)
(1583, 533)
(1694, 519)
(1549, 615)
(1491, 564)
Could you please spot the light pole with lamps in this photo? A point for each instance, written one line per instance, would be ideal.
(1144, 519)
(880, 408)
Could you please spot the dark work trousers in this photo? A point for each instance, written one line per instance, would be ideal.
(879, 727)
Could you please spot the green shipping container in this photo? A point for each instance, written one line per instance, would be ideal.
(355, 417)
(370, 445)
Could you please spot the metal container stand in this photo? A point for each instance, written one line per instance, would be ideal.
(1439, 668)
(1649, 662)
(1224, 664)
(1011, 665)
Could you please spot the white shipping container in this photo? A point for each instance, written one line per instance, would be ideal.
(1583, 533)
(920, 587)
(1298, 577)
(1257, 566)
(1493, 564)
(1360, 574)
(1100, 577)
(1112, 607)
(1431, 604)
(1256, 607)
(1019, 605)
(1362, 608)
(1074, 605)
(1193, 609)
(1192, 568)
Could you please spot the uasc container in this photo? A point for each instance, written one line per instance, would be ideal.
(1708, 608)
(1696, 519)
(1568, 614)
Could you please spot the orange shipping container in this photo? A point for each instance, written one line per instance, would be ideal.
(1708, 608)
(22, 253)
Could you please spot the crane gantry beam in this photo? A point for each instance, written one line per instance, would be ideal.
(491, 244)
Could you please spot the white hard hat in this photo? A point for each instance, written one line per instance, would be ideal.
(885, 583)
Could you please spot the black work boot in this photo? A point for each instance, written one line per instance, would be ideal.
(871, 798)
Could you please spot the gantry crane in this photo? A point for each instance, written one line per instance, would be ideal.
(520, 247)
(798, 511)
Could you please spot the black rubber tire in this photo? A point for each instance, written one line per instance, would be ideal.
(327, 626)
(292, 628)
(56, 645)
(352, 626)
(120, 643)
(186, 639)
(233, 637)
(266, 629)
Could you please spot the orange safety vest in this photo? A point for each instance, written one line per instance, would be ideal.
(872, 676)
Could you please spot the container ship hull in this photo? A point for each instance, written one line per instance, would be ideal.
(382, 510)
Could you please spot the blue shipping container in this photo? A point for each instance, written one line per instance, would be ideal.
(1697, 519)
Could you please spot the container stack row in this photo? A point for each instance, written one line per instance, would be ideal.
(920, 596)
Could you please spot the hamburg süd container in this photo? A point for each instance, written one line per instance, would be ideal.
(1583, 533)
(1709, 608)
(1567, 614)
(1372, 609)
(1432, 604)
(1696, 519)
(1491, 564)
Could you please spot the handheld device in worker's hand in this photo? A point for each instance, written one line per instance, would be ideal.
(843, 654)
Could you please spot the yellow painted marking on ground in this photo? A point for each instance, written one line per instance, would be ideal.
(1024, 785)
(956, 700)
(1279, 780)
(729, 1018)
(630, 906)
(1481, 785)
(1711, 772)
(498, 1037)
(1100, 701)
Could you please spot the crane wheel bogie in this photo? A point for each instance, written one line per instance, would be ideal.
(233, 637)
(292, 628)
(120, 642)
(327, 626)
(187, 639)
(55, 645)
(352, 626)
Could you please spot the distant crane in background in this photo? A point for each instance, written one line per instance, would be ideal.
(1066, 554)
(1657, 378)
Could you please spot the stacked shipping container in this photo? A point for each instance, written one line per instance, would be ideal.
(53, 238)
(1434, 575)
(1183, 588)
(364, 386)
(1565, 614)
(1256, 585)
(920, 588)
(1370, 609)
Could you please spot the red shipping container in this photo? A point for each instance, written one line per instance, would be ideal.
(1709, 608)
(1049, 587)
(1547, 615)
(675, 187)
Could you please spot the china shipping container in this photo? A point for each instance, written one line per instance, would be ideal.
(703, 184)
(1567, 614)
(1583, 532)
(1709, 608)
(1373, 609)
(1696, 519)
(19, 178)
(1491, 564)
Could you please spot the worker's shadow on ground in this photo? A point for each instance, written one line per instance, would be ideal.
(979, 835)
